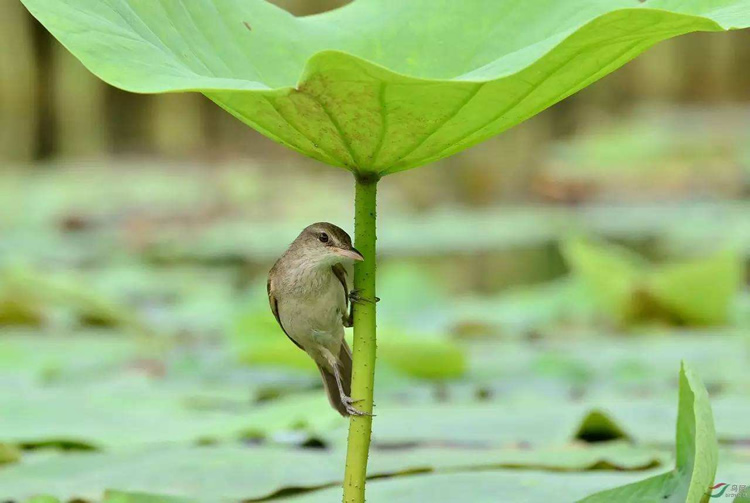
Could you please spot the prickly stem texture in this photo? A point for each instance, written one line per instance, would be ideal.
(363, 375)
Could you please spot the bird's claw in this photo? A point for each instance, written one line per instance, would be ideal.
(356, 298)
(353, 411)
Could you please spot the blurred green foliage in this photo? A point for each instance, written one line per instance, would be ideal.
(29, 296)
(693, 293)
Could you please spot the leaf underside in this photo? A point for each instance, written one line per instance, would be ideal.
(377, 86)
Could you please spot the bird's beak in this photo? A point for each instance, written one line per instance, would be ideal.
(351, 254)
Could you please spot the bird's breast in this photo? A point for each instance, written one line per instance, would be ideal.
(314, 315)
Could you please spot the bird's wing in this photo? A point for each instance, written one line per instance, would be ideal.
(275, 310)
(348, 314)
(340, 273)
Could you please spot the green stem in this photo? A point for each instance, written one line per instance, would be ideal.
(363, 375)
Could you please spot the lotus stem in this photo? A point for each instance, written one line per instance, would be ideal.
(365, 344)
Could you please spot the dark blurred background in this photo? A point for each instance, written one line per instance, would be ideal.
(53, 109)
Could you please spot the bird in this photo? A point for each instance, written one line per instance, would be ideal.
(309, 295)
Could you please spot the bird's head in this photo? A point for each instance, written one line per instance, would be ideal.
(325, 243)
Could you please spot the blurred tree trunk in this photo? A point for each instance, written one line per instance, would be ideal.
(720, 66)
(741, 72)
(655, 74)
(18, 85)
(79, 108)
(177, 125)
(698, 76)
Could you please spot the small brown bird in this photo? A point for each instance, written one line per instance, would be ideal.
(310, 298)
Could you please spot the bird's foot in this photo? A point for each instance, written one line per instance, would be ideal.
(349, 405)
(356, 298)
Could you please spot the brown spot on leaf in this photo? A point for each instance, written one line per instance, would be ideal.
(247, 25)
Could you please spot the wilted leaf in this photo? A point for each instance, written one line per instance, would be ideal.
(415, 82)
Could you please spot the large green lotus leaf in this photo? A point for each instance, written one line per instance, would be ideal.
(485, 486)
(27, 359)
(119, 413)
(125, 415)
(539, 422)
(379, 85)
(478, 487)
(610, 367)
(697, 454)
(235, 472)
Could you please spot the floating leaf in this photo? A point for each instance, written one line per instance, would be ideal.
(376, 86)
(485, 486)
(235, 472)
(26, 357)
(128, 415)
(131, 497)
(538, 421)
(42, 499)
(479, 487)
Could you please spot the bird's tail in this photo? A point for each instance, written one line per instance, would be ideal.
(329, 379)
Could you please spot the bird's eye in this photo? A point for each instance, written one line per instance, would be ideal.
(323, 237)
